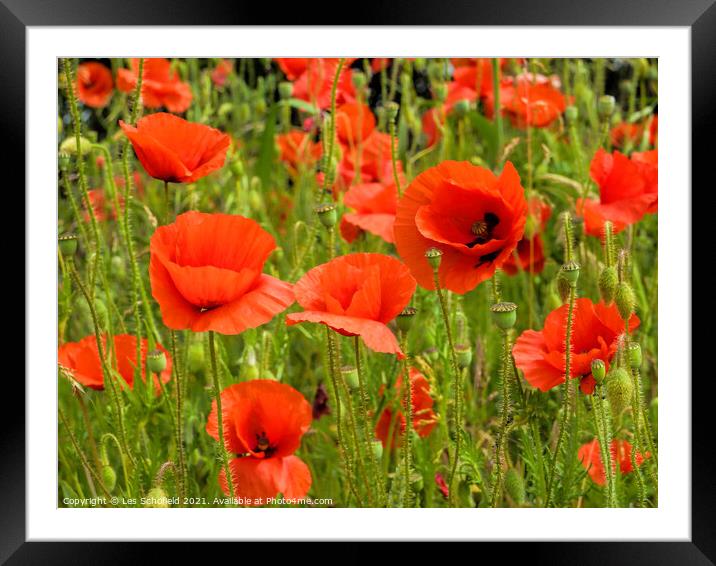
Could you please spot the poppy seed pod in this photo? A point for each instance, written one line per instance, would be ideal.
(635, 358)
(463, 353)
(327, 214)
(157, 498)
(156, 361)
(285, 90)
(598, 370)
(359, 79)
(350, 374)
(195, 357)
(570, 271)
(563, 287)
(67, 244)
(606, 106)
(608, 281)
(109, 477)
(391, 110)
(572, 114)
(624, 298)
(405, 318)
(461, 107)
(69, 146)
(504, 315)
(619, 388)
(515, 486)
(434, 256)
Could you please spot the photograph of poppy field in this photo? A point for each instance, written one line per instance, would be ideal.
(354, 282)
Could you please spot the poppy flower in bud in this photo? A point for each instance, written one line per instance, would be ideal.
(160, 86)
(627, 190)
(173, 150)
(590, 456)
(297, 149)
(263, 422)
(442, 485)
(390, 427)
(595, 333)
(529, 254)
(356, 295)
(206, 274)
(94, 84)
(81, 360)
(475, 218)
(374, 205)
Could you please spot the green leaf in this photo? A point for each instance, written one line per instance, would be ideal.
(267, 150)
(303, 106)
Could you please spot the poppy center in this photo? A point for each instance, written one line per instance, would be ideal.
(263, 444)
(482, 229)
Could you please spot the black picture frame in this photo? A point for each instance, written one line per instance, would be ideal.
(698, 15)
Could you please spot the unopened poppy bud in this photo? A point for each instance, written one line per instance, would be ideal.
(249, 369)
(156, 361)
(572, 114)
(350, 374)
(195, 357)
(619, 388)
(431, 353)
(285, 90)
(327, 214)
(377, 448)
(434, 256)
(244, 112)
(69, 146)
(598, 370)
(256, 202)
(504, 315)
(157, 498)
(359, 79)
(391, 110)
(531, 227)
(109, 477)
(608, 281)
(515, 486)
(225, 109)
(461, 107)
(416, 481)
(570, 271)
(635, 355)
(606, 106)
(441, 92)
(624, 298)
(463, 353)
(405, 318)
(260, 106)
(563, 287)
(119, 270)
(67, 244)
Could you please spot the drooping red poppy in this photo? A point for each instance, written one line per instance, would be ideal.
(174, 150)
(263, 422)
(356, 295)
(595, 333)
(297, 149)
(315, 83)
(160, 86)
(530, 251)
(391, 424)
(206, 274)
(102, 207)
(590, 456)
(627, 191)
(81, 360)
(94, 84)
(221, 72)
(474, 217)
(374, 205)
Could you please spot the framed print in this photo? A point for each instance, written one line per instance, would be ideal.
(401, 280)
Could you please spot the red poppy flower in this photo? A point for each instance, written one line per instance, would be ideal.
(356, 295)
(293, 67)
(374, 159)
(206, 274)
(648, 164)
(391, 424)
(160, 86)
(354, 123)
(624, 132)
(263, 422)
(595, 333)
(474, 217)
(442, 485)
(315, 83)
(433, 120)
(533, 101)
(81, 360)
(94, 84)
(591, 457)
(222, 71)
(174, 150)
(374, 205)
(104, 209)
(530, 251)
(297, 149)
(627, 191)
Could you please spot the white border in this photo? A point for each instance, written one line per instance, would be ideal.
(671, 521)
